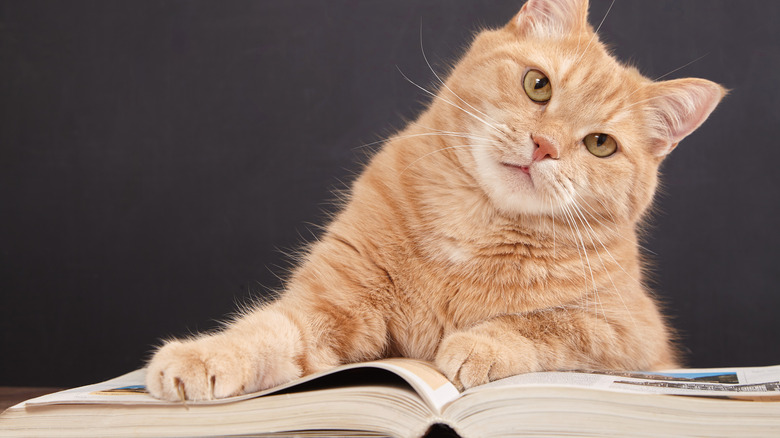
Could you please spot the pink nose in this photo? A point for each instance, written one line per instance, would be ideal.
(545, 147)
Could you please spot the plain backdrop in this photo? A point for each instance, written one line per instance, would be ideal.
(157, 159)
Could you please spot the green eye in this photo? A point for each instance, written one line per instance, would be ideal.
(600, 145)
(537, 86)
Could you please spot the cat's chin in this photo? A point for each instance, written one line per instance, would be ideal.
(514, 188)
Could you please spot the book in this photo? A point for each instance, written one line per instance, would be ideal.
(406, 398)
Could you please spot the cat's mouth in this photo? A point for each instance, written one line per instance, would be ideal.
(519, 173)
(524, 169)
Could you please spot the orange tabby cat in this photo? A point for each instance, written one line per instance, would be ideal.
(496, 235)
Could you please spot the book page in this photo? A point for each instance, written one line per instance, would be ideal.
(126, 389)
(129, 389)
(761, 383)
(431, 384)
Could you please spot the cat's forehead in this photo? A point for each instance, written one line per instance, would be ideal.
(586, 80)
(577, 66)
(581, 68)
(593, 79)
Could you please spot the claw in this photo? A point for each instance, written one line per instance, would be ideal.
(212, 383)
(180, 389)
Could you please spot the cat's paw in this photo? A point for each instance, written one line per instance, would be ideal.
(224, 365)
(469, 359)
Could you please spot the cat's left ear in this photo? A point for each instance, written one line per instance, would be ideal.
(552, 18)
(677, 107)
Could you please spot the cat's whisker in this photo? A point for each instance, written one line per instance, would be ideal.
(553, 224)
(418, 124)
(661, 77)
(442, 134)
(638, 89)
(569, 222)
(609, 253)
(541, 221)
(440, 150)
(598, 302)
(592, 233)
(680, 68)
(619, 265)
(490, 125)
(461, 133)
(643, 101)
(603, 205)
(597, 216)
(422, 49)
(562, 193)
(595, 33)
(593, 213)
(553, 215)
(590, 210)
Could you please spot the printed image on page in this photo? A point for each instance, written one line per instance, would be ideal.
(125, 389)
(758, 382)
(740, 382)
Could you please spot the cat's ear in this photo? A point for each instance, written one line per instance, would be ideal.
(552, 18)
(677, 107)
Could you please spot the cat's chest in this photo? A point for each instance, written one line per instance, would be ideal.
(436, 298)
(462, 285)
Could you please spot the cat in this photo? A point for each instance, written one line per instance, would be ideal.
(495, 235)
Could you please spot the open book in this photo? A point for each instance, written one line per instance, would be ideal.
(405, 398)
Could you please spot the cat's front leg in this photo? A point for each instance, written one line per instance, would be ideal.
(258, 352)
(485, 353)
(554, 339)
(332, 312)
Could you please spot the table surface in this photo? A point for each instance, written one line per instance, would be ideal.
(11, 395)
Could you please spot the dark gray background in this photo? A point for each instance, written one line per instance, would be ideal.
(155, 157)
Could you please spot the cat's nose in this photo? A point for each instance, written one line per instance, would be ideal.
(545, 148)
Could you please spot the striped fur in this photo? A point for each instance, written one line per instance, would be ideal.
(444, 252)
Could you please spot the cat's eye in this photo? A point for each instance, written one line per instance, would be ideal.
(537, 86)
(600, 145)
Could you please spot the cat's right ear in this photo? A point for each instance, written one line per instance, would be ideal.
(677, 107)
(552, 18)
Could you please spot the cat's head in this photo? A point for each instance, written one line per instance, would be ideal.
(556, 122)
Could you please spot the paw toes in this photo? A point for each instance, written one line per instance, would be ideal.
(467, 359)
(474, 371)
(177, 372)
(219, 366)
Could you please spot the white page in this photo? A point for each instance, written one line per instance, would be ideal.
(433, 387)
